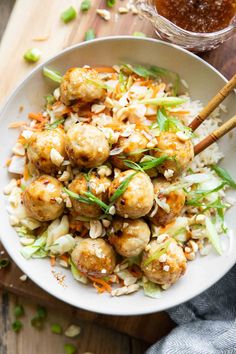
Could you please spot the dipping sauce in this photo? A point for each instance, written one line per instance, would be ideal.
(198, 15)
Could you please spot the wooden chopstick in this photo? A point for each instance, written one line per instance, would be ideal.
(213, 103)
(216, 135)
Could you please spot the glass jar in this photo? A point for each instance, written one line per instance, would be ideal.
(193, 41)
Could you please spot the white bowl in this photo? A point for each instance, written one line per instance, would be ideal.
(204, 81)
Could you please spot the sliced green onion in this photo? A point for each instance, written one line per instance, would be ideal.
(19, 311)
(56, 328)
(53, 75)
(110, 3)
(213, 236)
(41, 312)
(50, 99)
(224, 175)
(69, 14)
(85, 5)
(88, 198)
(122, 187)
(157, 254)
(162, 119)
(133, 165)
(165, 101)
(89, 35)
(55, 124)
(32, 55)
(37, 322)
(17, 326)
(69, 348)
(99, 84)
(4, 262)
(153, 162)
(139, 34)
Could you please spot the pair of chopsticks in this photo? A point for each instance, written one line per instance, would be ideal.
(207, 110)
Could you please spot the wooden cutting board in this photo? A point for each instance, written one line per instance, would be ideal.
(37, 24)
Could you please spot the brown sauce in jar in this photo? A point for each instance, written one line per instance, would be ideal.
(198, 15)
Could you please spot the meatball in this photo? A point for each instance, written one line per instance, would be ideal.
(86, 146)
(175, 199)
(181, 151)
(40, 198)
(129, 237)
(80, 84)
(137, 199)
(97, 185)
(94, 257)
(40, 146)
(168, 267)
(136, 141)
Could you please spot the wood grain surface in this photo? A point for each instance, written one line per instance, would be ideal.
(37, 24)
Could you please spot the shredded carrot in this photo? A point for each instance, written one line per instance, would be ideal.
(18, 182)
(158, 88)
(8, 162)
(104, 286)
(179, 112)
(76, 225)
(104, 69)
(17, 124)
(26, 174)
(65, 258)
(135, 271)
(52, 261)
(36, 116)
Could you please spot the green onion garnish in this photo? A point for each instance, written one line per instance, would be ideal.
(160, 251)
(69, 348)
(89, 35)
(50, 99)
(110, 3)
(87, 198)
(56, 328)
(53, 75)
(122, 187)
(133, 165)
(55, 124)
(19, 311)
(153, 162)
(165, 101)
(17, 326)
(85, 5)
(4, 262)
(69, 14)
(41, 312)
(32, 55)
(224, 175)
(139, 34)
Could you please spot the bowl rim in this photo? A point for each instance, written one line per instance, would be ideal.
(47, 287)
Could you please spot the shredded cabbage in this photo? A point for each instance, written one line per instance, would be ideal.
(77, 274)
(213, 235)
(152, 290)
(57, 229)
(28, 251)
(63, 244)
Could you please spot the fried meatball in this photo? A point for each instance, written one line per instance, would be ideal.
(175, 199)
(129, 237)
(98, 187)
(136, 141)
(80, 84)
(181, 151)
(94, 257)
(167, 268)
(137, 199)
(40, 146)
(40, 198)
(86, 146)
